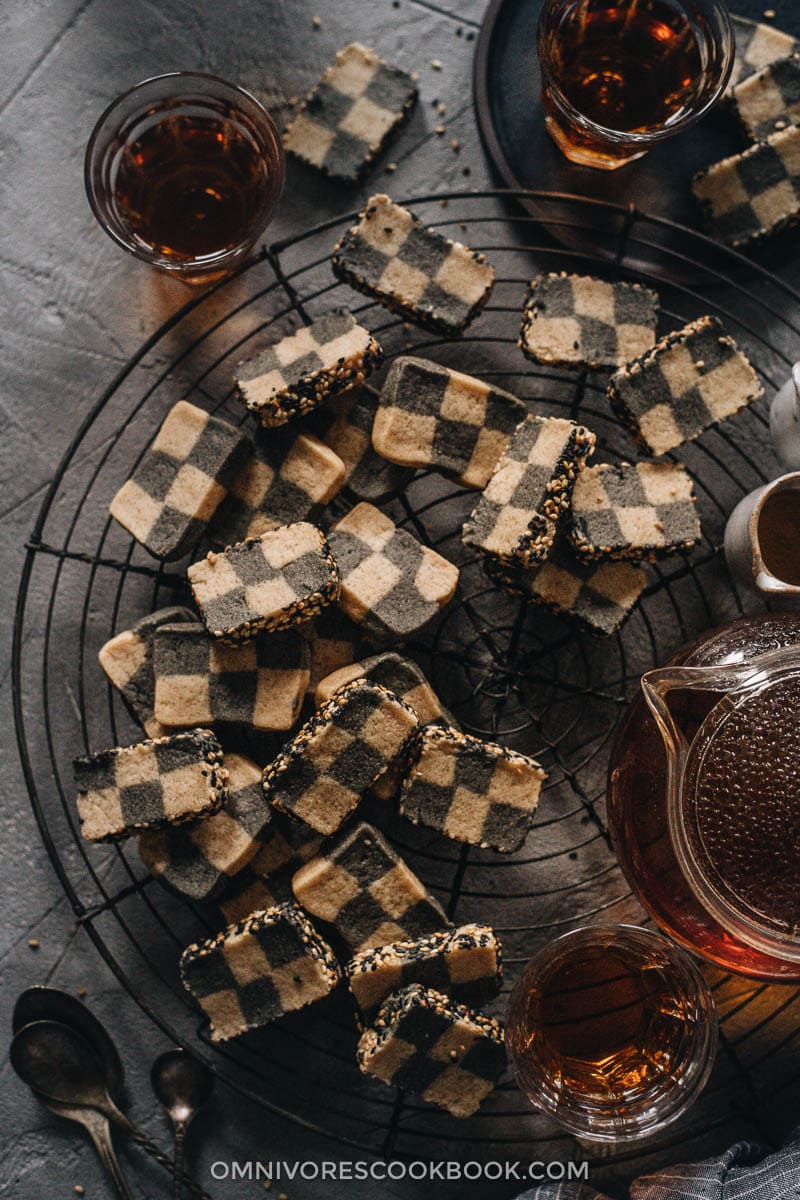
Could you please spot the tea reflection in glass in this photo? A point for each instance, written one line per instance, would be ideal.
(619, 76)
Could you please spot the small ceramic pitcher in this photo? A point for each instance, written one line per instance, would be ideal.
(784, 419)
(762, 538)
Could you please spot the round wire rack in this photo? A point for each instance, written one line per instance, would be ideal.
(508, 671)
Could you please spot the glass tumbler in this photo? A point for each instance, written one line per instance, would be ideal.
(185, 172)
(621, 76)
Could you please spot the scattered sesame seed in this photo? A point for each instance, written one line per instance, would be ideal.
(444, 202)
(34, 943)
(456, 144)
(770, 14)
(81, 992)
(440, 130)
(471, 35)
(459, 31)
(436, 63)
(465, 171)
(441, 108)
(316, 22)
(79, 1189)
(392, 166)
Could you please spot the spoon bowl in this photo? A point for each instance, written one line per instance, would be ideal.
(52, 1004)
(182, 1084)
(59, 1063)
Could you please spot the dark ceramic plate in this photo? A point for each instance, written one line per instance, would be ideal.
(510, 118)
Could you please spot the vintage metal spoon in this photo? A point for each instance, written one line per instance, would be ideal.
(182, 1085)
(64, 1070)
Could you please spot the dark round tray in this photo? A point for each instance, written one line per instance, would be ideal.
(509, 671)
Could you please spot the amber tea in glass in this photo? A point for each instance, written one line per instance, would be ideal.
(612, 1031)
(185, 171)
(618, 76)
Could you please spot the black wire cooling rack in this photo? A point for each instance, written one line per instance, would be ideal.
(508, 671)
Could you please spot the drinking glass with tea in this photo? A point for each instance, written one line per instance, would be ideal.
(620, 76)
(185, 172)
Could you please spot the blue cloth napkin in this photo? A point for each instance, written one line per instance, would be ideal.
(747, 1171)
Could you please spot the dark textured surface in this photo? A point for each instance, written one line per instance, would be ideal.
(75, 307)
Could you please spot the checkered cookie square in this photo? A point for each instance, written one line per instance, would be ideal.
(346, 120)
(750, 195)
(423, 1043)
(335, 641)
(464, 963)
(292, 377)
(348, 432)
(639, 511)
(517, 514)
(392, 586)
(200, 680)
(253, 973)
(267, 879)
(271, 582)
(127, 660)
(757, 46)
(197, 859)
(161, 782)
(769, 100)
(471, 790)
(361, 887)
(291, 477)
(598, 596)
(438, 284)
(580, 321)
(181, 481)
(430, 416)
(320, 776)
(691, 380)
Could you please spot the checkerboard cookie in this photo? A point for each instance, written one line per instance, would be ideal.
(335, 641)
(347, 119)
(758, 45)
(196, 859)
(580, 321)
(290, 478)
(127, 660)
(464, 963)
(691, 380)
(271, 582)
(349, 434)
(267, 879)
(181, 481)
(769, 100)
(422, 1042)
(200, 680)
(750, 195)
(598, 596)
(438, 284)
(517, 514)
(390, 584)
(160, 782)
(471, 790)
(640, 511)
(431, 416)
(321, 775)
(293, 376)
(253, 973)
(361, 887)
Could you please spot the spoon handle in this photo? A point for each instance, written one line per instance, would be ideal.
(155, 1152)
(97, 1127)
(180, 1144)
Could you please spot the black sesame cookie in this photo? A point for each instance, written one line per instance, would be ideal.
(271, 582)
(758, 45)
(291, 477)
(391, 584)
(267, 879)
(598, 596)
(127, 659)
(362, 887)
(753, 194)
(320, 776)
(693, 379)
(431, 416)
(347, 119)
(196, 859)
(348, 432)
(584, 322)
(200, 680)
(164, 781)
(335, 641)
(471, 790)
(769, 100)
(182, 479)
(438, 284)
(639, 511)
(464, 963)
(253, 973)
(293, 376)
(423, 1043)
(516, 517)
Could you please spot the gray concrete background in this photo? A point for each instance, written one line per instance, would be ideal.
(74, 309)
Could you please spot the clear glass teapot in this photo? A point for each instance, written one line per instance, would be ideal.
(704, 796)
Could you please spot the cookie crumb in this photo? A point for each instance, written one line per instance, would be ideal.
(436, 63)
(33, 943)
